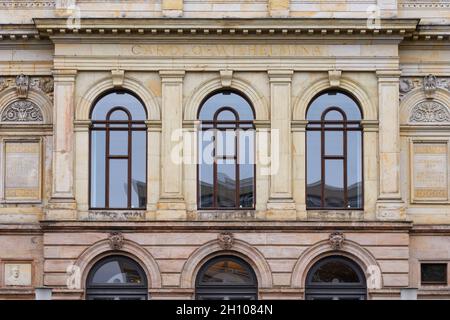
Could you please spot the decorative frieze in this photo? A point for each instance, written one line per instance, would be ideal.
(430, 111)
(429, 84)
(22, 111)
(23, 83)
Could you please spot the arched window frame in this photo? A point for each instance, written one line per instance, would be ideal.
(214, 124)
(216, 291)
(343, 126)
(106, 126)
(102, 291)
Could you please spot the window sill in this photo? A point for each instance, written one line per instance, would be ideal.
(333, 214)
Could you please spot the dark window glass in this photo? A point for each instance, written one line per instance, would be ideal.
(118, 157)
(334, 153)
(226, 170)
(335, 272)
(226, 278)
(116, 278)
(433, 273)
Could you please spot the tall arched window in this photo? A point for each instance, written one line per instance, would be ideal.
(116, 278)
(118, 148)
(334, 153)
(335, 278)
(226, 170)
(226, 278)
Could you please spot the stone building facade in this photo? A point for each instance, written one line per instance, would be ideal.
(390, 57)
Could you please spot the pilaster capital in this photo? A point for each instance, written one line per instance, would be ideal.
(280, 75)
(388, 75)
(172, 75)
(64, 75)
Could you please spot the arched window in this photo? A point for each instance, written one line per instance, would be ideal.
(334, 145)
(335, 278)
(116, 278)
(226, 278)
(226, 170)
(118, 148)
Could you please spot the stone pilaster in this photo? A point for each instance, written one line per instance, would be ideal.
(281, 204)
(299, 167)
(389, 204)
(171, 204)
(172, 8)
(62, 204)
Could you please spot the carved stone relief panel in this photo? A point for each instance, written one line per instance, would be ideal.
(428, 83)
(22, 175)
(429, 171)
(429, 111)
(18, 274)
(22, 111)
(23, 83)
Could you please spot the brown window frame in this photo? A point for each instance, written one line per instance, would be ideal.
(322, 125)
(132, 126)
(234, 125)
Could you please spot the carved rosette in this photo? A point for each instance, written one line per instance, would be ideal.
(430, 111)
(336, 240)
(22, 111)
(116, 240)
(226, 240)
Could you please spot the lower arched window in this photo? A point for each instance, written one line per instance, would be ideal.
(226, 278)
(335, 278)
(116, 278)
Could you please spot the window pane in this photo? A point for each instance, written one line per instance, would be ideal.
(118, 115)
(334, 183)
(226, 115)
(333, 99)
(226, 99)
(119, 99)
(118, 183)
(314, 169)
(335, 272)
(205, 171)
(98, 150)
(226, 183)
(117, 272)
(118, 143)
(246, 172)
(227, 273)
(434, 273)
(334, 115)
(139, 170)
(354, 169)
(334, 143)
(226, 143)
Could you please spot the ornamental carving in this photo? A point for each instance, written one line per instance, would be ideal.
(430, 111)
(226, 240)
(116, 240)
(429, 84)
(336, 240)
(22, 111)
(22, 85)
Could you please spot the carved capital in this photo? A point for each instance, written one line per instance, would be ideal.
(336, 240)
(116, 240)
(226, 240)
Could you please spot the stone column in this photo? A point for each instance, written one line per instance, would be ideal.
(171, 204)
(281, 204)
(62, 204)
(389, 204)
(299, 167)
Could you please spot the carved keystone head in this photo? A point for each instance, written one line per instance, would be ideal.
(22, 85)
(429, 85)
(226, 240)
(116, 240)
(337, 240)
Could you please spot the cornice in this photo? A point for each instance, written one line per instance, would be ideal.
(251, 28)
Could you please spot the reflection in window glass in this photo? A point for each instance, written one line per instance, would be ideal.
(335, 272)
(334, 153)
(118, 153)
(226, 171)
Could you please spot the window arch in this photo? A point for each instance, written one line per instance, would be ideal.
(226, 278)
(118, 152)
(226, 169)
(335, 278)
(334, 142)
(116, 278)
